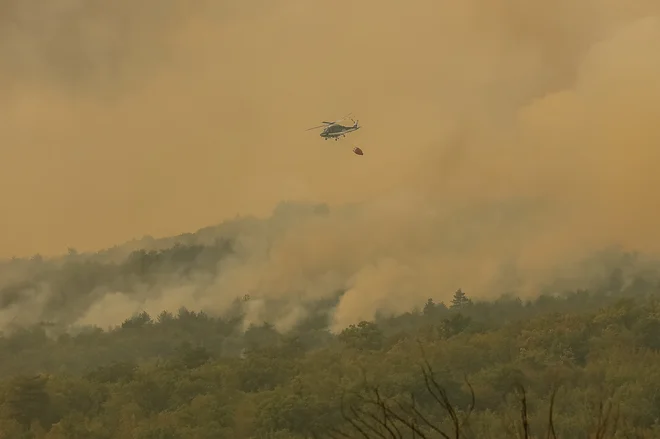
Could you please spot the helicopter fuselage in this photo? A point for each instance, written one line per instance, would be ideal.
(336, 131)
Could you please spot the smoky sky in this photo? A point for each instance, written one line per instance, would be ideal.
(83, 46)
(497, 133)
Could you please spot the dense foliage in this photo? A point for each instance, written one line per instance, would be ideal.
(195, 376)
(190, 374)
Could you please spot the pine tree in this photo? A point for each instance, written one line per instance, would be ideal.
(460, 299)
(429, 307)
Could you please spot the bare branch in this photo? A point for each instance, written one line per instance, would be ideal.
(441, 397)
(376, 416)
(606, 422)
(551, 425)
(350, 421)
(523, 411)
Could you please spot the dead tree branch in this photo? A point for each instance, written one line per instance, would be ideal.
(374, 416)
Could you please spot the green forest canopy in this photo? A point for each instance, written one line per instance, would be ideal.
(193, 375)
(189, 374)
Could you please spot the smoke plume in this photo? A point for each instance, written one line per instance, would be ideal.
(505, 140)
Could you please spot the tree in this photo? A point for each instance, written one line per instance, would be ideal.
(364, 336)
(455, 324)
(192, 357)
(429, 307)
(460, 300)
(28, 400)
(137, 321)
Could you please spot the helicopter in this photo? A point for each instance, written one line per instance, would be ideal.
(334, 130)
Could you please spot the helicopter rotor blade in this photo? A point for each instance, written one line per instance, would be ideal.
(344, 118)
(338, 120)
(330, 123)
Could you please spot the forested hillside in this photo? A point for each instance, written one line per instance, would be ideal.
(81, 357)
(194, 375)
